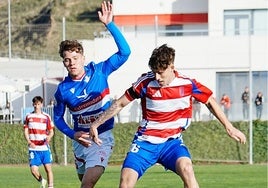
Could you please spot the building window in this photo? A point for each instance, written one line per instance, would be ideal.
(245, 22)
(260, 23)
(233, 84)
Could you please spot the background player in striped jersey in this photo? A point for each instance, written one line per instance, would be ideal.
(166, 101)
(86, 93)
(38, 131)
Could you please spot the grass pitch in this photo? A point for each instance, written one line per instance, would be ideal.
(208, 176)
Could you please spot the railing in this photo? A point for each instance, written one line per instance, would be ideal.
(5, 115)
(32, 56)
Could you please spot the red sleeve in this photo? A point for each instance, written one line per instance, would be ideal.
(26, 123)
(50, 124)
(201, 92)
(130, 94)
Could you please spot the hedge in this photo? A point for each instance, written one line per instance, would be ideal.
(207, 142)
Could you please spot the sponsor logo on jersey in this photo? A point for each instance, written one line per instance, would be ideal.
(86, 121)
(84, 95)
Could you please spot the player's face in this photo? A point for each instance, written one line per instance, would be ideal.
(74, 63)
(37, 106)
(165, 77)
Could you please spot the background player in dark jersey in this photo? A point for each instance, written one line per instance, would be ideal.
(166, 101)
(86, 93)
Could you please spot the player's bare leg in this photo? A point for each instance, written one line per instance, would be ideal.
(91, 176)
(35, 172)
(48, 169)
(128, 178)
(184, 168)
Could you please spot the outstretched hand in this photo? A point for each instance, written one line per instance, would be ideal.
(93, 132)
(106, 13)
(82, 138)
(237, 135)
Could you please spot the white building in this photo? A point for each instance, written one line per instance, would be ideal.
(217, 42)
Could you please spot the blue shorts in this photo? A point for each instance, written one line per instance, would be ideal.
(37, 158)
(143, 155)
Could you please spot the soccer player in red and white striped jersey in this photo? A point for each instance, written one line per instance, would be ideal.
(166, 101)
(38, 131)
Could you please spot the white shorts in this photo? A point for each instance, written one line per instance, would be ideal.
(94, 155)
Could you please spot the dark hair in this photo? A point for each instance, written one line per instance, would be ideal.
(70, 45)
(161, 58)
(37, 99)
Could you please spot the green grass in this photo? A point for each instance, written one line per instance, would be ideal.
(209, 176)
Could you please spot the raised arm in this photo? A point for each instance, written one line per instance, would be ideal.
(114, 109)
(234, 133)
(106, 13)
(120, 57)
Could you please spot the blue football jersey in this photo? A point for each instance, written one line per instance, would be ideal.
(88, 97)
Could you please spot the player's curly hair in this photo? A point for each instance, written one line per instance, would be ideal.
(161, 58)
(70, 45)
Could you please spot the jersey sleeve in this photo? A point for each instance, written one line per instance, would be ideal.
(26, 122)
(50, 124)
(138, 89)
(130, 94)
(118, 58)
(201, 92)
(59, 110)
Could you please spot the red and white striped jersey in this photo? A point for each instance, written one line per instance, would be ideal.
(166, 110)
(38, 126)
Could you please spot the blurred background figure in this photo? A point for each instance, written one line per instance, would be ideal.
(51, 103)
(245, 101)
(258, 103)
(226, 104)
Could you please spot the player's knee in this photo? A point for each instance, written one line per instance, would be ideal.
(123, 184)
(34, 170)
(187, 169)
(184, 167)
(128, 181)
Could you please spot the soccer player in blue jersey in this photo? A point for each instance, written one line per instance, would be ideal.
(85, 92)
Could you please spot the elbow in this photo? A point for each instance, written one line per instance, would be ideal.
(128, 52)
(123, 58)
(125, 54)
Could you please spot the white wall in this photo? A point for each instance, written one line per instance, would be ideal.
(193, 54)
(130, 7)
(197, 57)
(217, 7)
